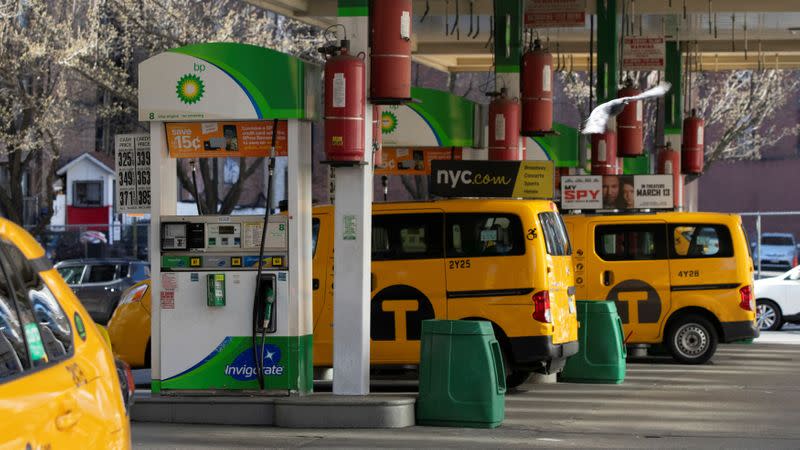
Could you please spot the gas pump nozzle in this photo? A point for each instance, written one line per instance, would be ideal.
(266, 294)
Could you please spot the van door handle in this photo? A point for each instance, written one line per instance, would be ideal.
(68, 420)
(315, 283)
(608, 278)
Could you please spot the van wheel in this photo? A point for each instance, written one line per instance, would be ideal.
(768, 315)
(147, 356)
(514, 378)
(692, 339)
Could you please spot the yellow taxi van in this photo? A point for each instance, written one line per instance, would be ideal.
(681, 279)
(505, 261)
(59, 384)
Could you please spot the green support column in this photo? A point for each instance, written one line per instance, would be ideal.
(673, 103)
(607, 50)
(508, 16)
(353, 8)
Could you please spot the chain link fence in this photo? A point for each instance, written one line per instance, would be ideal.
(773, 244)
(96, 241)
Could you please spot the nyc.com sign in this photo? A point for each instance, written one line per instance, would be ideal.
(503, 179)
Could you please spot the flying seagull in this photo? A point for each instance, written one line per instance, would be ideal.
(602, 113)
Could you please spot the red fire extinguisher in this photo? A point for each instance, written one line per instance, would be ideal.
(390, 51)
(344, 104)
(669, 163)
(604, 153)
(504, 119)
(377, 137)
(536, 85)
(629, 124)
(692, 151)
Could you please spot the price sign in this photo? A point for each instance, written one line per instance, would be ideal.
(133, 173)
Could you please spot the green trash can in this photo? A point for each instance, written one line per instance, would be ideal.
(601, 358)
(461, 377)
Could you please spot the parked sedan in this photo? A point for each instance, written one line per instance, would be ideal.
(98, 283)
(778, 300)
(778, 251)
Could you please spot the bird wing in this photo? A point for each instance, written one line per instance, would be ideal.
(598, 119)
(658, 91)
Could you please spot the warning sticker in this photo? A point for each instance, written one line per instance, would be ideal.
(167, 299)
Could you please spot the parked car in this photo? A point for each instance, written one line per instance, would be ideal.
(98, 283)
(778, 251)
(778, 300)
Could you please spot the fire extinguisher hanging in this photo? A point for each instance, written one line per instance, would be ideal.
(630, 133)
(536, 85)
(504, 120)
(692, 151)
(377, 137)
(344, 104)
(390, 51)
(669, 163)
(604, 153)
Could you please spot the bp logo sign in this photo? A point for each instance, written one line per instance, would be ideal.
(243, 367)
(388, 122)
(190, 89)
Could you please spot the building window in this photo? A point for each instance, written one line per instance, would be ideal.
(87, 193)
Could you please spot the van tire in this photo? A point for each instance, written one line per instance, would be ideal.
(773, 312)
(691, 339)
(147, 356)
(514, 378)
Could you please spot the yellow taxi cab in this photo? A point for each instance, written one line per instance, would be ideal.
(682, 279)
(129, 327)
(59, 384)
(505, 261)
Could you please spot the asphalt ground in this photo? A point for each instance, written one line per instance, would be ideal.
(747, 397)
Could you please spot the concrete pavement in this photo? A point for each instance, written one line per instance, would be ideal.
(746, 398)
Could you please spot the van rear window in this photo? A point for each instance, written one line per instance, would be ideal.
(700, 241)
(476, 235)
(555, 234)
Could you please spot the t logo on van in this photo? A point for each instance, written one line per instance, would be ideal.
(399, 311)
(648, 308)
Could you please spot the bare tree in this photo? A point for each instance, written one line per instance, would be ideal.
(740, 107)
(37, 39)
(128, 31)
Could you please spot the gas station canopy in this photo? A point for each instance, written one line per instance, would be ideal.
(730, 34)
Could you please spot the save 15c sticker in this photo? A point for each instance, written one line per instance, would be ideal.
(133, 172)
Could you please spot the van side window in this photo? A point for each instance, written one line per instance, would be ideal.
(406, 236)
(700, 241)
(13, 354)
(555, 234)
(630, 242)
(475, 235)
(38, 308)
(102, 273)
(314, 236)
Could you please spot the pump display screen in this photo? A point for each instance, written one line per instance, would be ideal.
(228, 229)
(173, 236)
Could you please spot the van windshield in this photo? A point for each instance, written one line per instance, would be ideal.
(776, 240)
(555, 234)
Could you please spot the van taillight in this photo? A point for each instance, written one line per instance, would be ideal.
(794, 261)
(541, 307)
(748, 302)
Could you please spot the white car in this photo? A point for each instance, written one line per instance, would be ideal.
(778, 300)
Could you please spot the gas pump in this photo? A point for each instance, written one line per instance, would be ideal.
(211, 264)
(227, 315)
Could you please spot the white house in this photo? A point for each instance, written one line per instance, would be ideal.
(90, 185)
